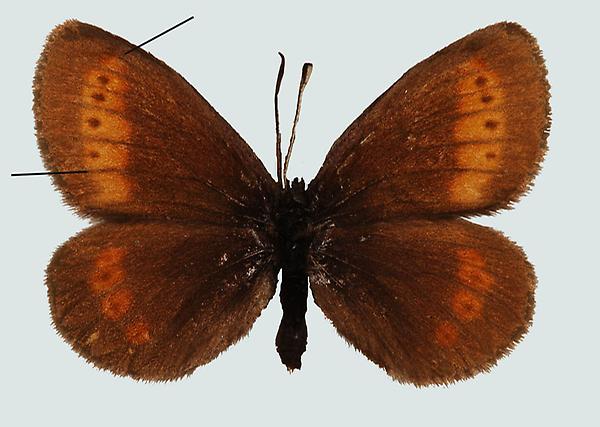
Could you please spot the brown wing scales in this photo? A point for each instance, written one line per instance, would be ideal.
(155, 301)
(461, 133)
(154, 147)
(432, 302)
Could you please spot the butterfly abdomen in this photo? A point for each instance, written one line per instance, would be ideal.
(294, 239)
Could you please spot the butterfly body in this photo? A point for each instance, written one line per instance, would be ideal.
(190, 230)
(295, 237)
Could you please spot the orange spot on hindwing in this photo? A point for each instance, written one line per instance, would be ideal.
(108, 269)
(472, 270)
(446, 334)
(138, 332)
(466, 305)
(466, 300)
(117, 304)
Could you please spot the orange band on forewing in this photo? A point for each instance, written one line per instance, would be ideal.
(100, 124)
(105, 131)
(112, 188)
(479, 156)
(471, 102)
(100, 156)
(469, 187)
(482, 126)
(475, 76)
(95, 95)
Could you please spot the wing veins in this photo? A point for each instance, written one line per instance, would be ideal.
(231, 151)
(386, 291)
(186, 314)
(421, 296)
(377, 181)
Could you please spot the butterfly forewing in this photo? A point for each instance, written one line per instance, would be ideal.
(431, 302)
(461, 133)
(154, 301)
(152, 145)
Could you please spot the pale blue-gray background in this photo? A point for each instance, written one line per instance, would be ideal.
(359, 48)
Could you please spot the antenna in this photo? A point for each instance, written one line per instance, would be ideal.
(306, 72)
(277, 130)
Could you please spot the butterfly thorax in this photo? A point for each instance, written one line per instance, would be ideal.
(292, 221)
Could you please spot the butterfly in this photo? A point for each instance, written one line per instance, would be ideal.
(190, 230)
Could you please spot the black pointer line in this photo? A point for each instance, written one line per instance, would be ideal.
(47, 173)
(158, 35)
(129, 51)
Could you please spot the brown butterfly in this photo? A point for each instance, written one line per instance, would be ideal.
(191, 230)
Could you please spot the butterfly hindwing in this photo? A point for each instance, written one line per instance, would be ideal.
(461, 133)
(432, 302)
(152, 145)
(155, 301)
